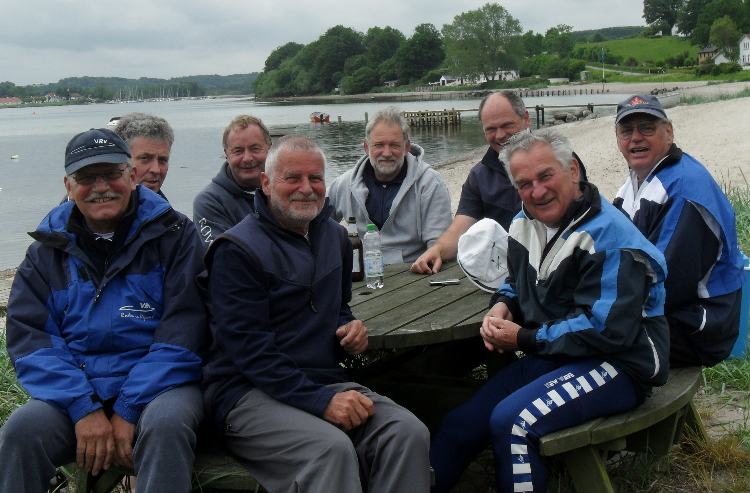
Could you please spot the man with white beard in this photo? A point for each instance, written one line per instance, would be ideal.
(394, 189)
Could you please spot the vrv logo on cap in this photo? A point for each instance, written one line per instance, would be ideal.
(100, 141)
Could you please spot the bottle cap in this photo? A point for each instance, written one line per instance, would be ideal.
(351, 219)
(371, 227)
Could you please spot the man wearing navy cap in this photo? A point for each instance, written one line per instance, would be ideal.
(104, 328)
(675, 202)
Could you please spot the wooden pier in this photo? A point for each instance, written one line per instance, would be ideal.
(439, 118)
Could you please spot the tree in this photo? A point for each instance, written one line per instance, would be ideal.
(381, 43)
(559, 40)
(533, 43)
(280, 54)
(734, 9)
(420, 53)
(483, 41)
(360, 82)
(662, 14)
(687, 16)
(725, 36)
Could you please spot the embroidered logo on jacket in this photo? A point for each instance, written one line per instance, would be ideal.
(143, 312)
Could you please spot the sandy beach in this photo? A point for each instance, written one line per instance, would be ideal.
(715, 133)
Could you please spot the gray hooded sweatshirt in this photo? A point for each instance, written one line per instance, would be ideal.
(420, 212)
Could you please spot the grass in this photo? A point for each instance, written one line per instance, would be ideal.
(11, 394)
(647, 51)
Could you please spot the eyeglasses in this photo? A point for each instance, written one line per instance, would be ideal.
(647, 128)
(89, 179)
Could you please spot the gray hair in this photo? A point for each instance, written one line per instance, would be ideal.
(519, 108)
(390, 115)
(135, 125)
(242, 122)
(523, 141)
(291, 143)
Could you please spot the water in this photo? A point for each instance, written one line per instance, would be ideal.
(33, 183)
(373, 258)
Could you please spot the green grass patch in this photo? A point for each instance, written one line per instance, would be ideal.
(12, 394)
(647, 51)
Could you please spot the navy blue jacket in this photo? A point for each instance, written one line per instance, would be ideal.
(681, 209)
(78, 338)
(276, 300)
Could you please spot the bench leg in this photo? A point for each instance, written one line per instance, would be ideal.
(694, 430)
(588, 470)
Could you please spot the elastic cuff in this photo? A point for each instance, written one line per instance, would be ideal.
(526, 340)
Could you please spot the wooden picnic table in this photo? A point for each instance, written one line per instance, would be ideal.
(409, 312)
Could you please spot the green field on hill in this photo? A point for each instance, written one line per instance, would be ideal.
(649, 51)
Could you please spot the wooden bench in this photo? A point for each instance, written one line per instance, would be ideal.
(214, 470)
(653, 428)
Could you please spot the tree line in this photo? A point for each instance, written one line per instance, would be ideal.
(716, 22)
(119, 88)
(477, 43)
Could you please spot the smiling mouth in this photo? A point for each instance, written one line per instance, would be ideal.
(638, 150)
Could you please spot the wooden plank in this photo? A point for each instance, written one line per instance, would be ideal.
(568, 439)
(665, 401)
(395, 281)
(444, 324)
(400, 290)
(410, 312)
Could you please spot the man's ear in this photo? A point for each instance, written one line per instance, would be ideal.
(575, 170)
(264, 184)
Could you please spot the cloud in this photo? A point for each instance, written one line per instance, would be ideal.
(45, 40)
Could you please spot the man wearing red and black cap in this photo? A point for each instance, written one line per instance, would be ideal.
(675, 202)
(104, 328)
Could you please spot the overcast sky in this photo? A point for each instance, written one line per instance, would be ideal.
(43, 41)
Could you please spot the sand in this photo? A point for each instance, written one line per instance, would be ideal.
(716, 133)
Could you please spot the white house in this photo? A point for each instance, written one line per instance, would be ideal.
(450, 80)
(745, 52)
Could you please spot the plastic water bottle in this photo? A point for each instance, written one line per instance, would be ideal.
(373, 258)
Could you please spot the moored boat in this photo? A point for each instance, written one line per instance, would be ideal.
(319, 117)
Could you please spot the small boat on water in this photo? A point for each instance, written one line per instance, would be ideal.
(14, 156)
(112, 123)
(318, 117)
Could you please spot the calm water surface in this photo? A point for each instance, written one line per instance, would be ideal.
(33, 183)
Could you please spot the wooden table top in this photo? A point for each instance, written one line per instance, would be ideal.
(409, 312)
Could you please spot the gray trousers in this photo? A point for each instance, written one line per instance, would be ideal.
(289, 450)
(38, 437)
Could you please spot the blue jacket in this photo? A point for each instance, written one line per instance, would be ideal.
(78, 339)
(596, 289)
(276, 300)
(681, 209)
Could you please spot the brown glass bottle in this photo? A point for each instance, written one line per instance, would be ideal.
(358, 255)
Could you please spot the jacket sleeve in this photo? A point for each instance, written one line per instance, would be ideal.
(210, 218)
(44, 366)
(240, 307)
(435, 208)
(606, 313)
(174, 356)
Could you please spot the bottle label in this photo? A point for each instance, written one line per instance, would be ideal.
(374, 265)
(355, 260)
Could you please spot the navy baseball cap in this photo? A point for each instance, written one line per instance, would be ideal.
(646, 103)
(95, 146)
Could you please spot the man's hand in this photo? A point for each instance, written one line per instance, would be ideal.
(500, 310)
(94, 442)
(123, 432)
(353, 337)
(499, 334)
(349, 409)
(429, 262)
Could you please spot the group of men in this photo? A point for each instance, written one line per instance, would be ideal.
(128, 324)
